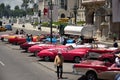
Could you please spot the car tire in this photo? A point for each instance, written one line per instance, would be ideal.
(91, 76)
(47, 58)
(117, 77)
(2, 39)
(77, 59)
(35, 53)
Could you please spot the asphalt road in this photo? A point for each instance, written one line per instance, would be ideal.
(15, 65)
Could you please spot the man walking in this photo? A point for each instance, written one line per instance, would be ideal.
(58, 62)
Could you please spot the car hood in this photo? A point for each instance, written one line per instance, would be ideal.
(89, 63)
(79, 50)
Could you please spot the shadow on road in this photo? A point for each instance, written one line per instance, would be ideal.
(82, 78)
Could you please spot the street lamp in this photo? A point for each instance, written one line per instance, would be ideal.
(51, 21)
(75, 11)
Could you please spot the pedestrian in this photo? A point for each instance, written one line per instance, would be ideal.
(65, 41)
(28, 39)
(31, 37)
(58, 62)
(17, 31)
(61, 39)
(117, 60)
(115, 44)
(22, 31)
(39, 27)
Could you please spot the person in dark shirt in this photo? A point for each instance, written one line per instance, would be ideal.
(17, 31)
(115, 44)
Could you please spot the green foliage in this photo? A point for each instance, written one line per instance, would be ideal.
(35, 24)
(17, 12)
(46, 24)
(81, 22)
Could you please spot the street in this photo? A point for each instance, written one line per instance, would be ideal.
(15, 65)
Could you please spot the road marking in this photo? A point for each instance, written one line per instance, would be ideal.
(2, 63)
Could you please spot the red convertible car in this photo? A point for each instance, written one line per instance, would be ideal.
(94, 70)
(69, 53)
(107, 55)
(26, 45)
(36, 48)
(20, 39)
(5, 37)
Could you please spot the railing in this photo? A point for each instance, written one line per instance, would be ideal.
(92, 1)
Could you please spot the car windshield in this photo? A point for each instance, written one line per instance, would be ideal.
(92, 55)
(70, 48)
(116, 52)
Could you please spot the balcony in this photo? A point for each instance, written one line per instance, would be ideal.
(93, 2)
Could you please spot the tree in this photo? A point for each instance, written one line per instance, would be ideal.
(25, 4)
(16, 8)
(2, 8)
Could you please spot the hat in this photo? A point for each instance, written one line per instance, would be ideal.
(59, 52)
(118, 55)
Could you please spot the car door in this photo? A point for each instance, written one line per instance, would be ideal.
(93, 55)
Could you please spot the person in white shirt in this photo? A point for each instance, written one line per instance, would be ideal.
(117, 60)
(61, 39)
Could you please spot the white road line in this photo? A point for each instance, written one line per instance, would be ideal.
(2, 63)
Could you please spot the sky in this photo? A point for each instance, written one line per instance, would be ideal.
(12, 3)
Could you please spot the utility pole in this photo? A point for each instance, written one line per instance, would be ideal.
(51, 21)
(75, 11)
(39, 14)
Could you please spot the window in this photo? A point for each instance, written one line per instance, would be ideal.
(63, 4)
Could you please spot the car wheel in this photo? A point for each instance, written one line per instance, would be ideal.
(2, 39)
(117, 77)
(77, 59)
(91, 76)
(47, 58)
(35, 53)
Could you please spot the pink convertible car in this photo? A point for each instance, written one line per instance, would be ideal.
(69, 53)
(36, 48)
(94, 70)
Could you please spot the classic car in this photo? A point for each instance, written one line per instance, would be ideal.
(6, 37)
(103, 54)
(16, 38)
(69, 53)
(95, 69)
(36, 48)
(20, 39)
(88, 45)
(26, 45)
(2, 29)
(8, 27)
(3, 36)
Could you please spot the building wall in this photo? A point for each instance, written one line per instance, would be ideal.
(68, 13)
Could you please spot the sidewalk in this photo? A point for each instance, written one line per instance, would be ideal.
(28, 26)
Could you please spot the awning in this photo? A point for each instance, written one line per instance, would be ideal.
(73, 30)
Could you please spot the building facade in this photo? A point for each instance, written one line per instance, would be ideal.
(96, 12)
(64, 8)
